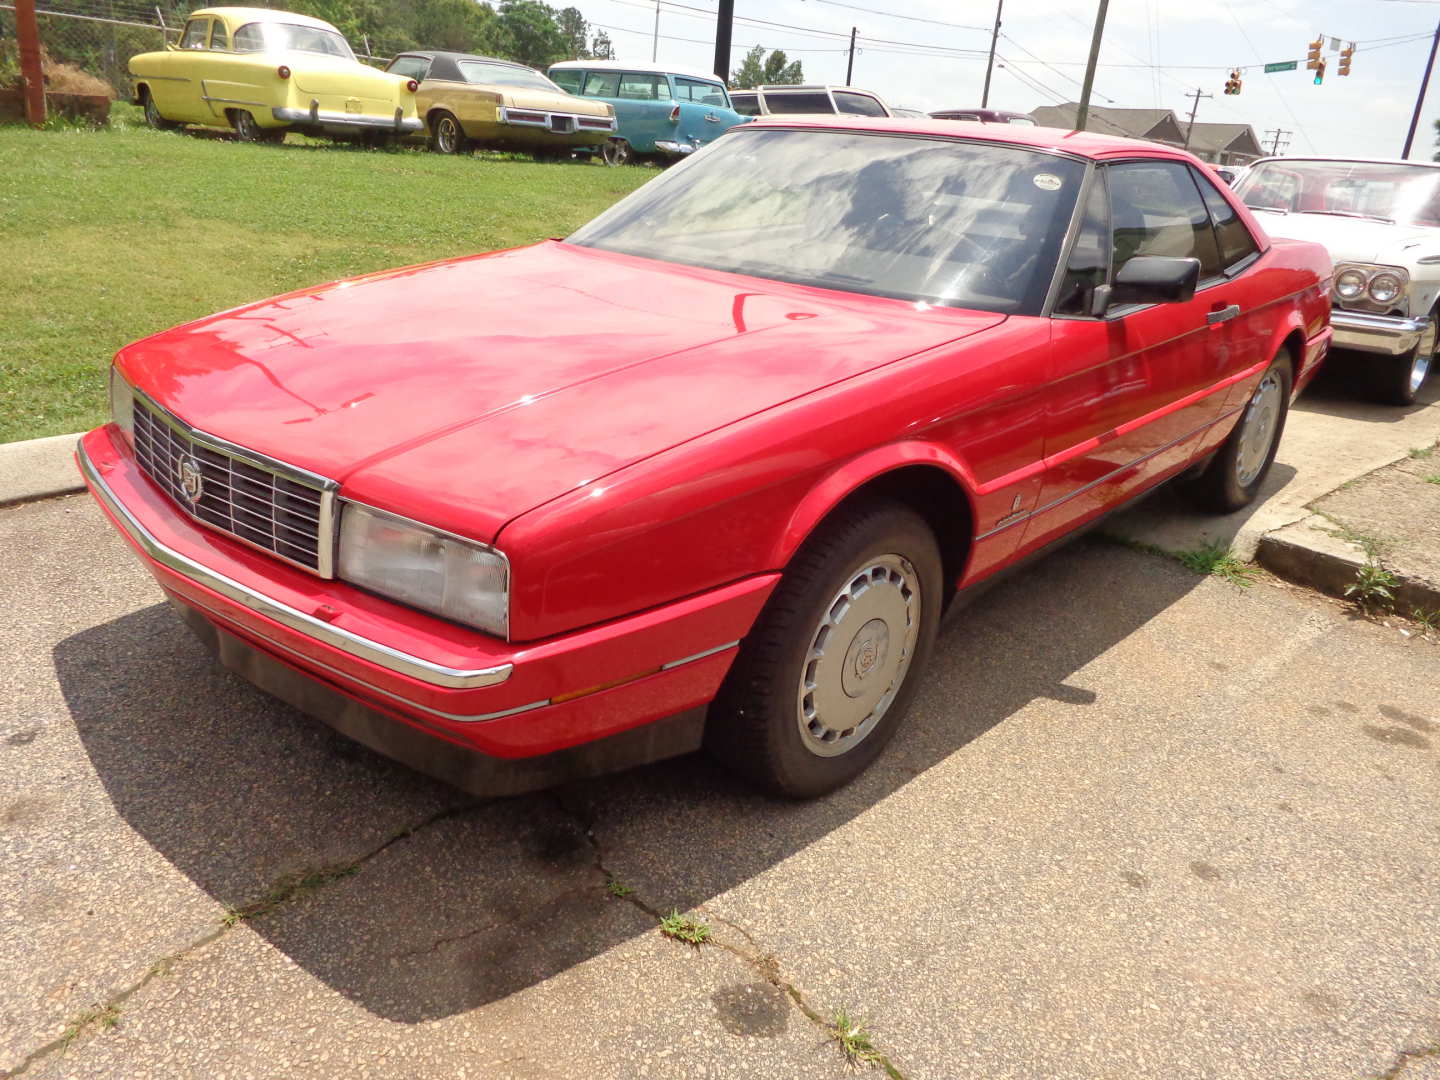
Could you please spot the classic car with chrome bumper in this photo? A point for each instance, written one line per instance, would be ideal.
(1391, 335)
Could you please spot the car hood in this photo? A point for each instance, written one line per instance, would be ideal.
(469, 391)
(1355, 239)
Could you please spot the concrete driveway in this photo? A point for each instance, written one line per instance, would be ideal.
(1141, 824)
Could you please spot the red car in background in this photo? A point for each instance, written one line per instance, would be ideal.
(709, 470)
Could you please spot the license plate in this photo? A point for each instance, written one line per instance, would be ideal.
(353, 105)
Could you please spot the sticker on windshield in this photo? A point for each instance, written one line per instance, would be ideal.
(1047, 181)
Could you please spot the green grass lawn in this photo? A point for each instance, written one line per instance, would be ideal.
(106, 236)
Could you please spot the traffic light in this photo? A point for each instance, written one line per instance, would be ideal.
(1345, 55)
(1320, 73)
(1312, 58)
(1232, 84)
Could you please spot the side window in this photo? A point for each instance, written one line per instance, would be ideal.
(409, 67)
(745, 104)
(788, 101)
(601, 84)
(857, 104)
(1155, 209)
(249, 38)
(219, 38)
(1089, 263)
(1236, 243)
(643, 87)
(568, 80)
(196, 30)
(704, 93)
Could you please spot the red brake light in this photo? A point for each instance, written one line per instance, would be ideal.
(412, 86)
(675, 115)
(283, 71)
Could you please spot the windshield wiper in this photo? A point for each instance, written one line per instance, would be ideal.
(1351, 214)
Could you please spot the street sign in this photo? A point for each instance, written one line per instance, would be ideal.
(1287, 65)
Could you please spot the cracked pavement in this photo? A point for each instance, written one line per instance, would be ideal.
(1140, 824)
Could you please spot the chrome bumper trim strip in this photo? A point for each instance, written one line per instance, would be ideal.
(355, 120)
(1389, 335)
(362, 648)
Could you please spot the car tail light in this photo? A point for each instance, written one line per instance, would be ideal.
(412, 86)
(675, 115)
(283, 71)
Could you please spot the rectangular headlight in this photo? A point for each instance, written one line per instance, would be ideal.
(122, 403)
(425, 568)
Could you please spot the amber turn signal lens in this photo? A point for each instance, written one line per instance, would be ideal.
(283, 71)
(412, 86)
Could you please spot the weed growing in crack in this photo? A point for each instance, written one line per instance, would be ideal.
(1421, 451)
(1433, 478)
(1216, 559)
(285, 890)
(105, 1018)
(684, 928)
(854, 1040)
(617, 888)
(1428, 620)
(1373, 588)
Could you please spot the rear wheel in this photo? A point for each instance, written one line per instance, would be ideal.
(824, 679)
(1395, 380)
(1234, 475)
(617, 152)
(247, 129)
(446, 134)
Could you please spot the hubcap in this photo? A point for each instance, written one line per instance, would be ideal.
(1258, 429)
(245, 126)
(447, 135)
(152, 114)
(859, 655)
(617, 152)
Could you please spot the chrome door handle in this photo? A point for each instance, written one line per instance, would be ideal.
(1224, 314)
(711, 118)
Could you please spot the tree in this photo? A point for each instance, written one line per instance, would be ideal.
(529, 33)
(601, 47)
(455, 26)
(757, 69)
(574, 30)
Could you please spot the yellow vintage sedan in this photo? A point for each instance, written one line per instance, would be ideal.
(262, 73)
(467, 101)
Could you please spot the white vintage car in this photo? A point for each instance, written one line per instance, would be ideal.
(1380, 221)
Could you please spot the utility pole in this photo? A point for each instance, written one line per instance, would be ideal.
(655, 41)
(27, 29)
(1083, 112)
(1419, 98)
(990, 64)
(724, 24)
(850, 64)
(1275, 146)
(1197, 94)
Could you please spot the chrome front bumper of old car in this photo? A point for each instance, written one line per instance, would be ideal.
(1389, 335)
(314, 116)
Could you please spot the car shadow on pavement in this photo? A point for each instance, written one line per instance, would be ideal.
(456, 903)
(1339, 390)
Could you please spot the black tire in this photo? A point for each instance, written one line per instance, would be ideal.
(152, 114)
(882, 560)
(1236, 472)
(446, 134)
(617, 152)
(1395, 380)
(248, 129)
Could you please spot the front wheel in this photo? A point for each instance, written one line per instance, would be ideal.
(1233, 477)
(1395, 380)
(153, 117)
(826, 675)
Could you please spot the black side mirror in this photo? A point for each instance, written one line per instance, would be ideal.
(1148, 279)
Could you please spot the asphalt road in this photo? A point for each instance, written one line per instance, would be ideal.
(1142, 824)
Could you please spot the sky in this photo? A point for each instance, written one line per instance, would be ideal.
(927, 54)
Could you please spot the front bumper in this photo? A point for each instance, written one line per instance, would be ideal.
(315, 117)
(444, 681)
(1388, 335)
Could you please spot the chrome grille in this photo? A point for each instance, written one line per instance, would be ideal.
(267, 504)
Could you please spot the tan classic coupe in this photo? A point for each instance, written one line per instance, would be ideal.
(468, 101)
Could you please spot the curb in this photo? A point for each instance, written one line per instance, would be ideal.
(1307, 554)
(38, 469)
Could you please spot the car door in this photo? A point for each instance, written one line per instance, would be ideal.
(1131, 391)
(641, 102)
(704, 114)
(178, 96)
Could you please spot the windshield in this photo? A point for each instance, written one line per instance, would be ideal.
(482, 71)
(287, 37)
(947, 222)
(1404, 194)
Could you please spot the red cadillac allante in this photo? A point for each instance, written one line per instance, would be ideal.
(709, 470)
